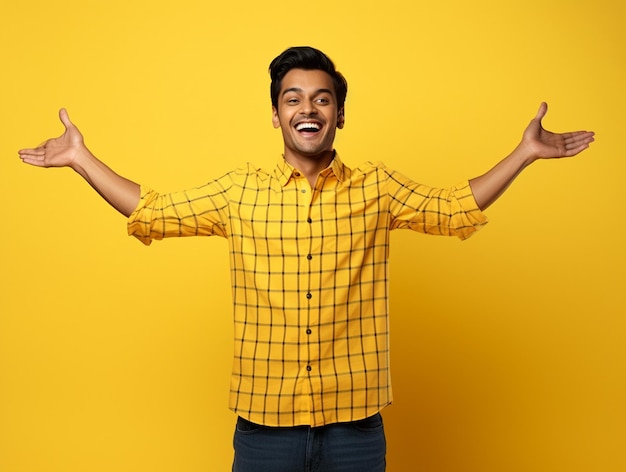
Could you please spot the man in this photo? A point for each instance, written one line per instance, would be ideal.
(309, 244)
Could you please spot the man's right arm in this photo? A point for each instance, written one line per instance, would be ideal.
(69, 150)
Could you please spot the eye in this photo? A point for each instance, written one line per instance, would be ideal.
(292, 101)
(323, 100)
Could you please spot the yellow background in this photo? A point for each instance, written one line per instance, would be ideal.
(508, 349)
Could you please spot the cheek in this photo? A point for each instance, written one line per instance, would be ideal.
(284, 120)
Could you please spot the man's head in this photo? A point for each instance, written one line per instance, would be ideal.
(308, 96)
(306, 58)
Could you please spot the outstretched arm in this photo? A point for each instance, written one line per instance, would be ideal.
(69, 150)
(537, 143)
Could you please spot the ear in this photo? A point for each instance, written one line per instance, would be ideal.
(275, 120)
(341, 118)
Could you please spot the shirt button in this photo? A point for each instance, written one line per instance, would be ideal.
(308, 331)
(309, 220)
(303, 190)
(309, 296)
(309, 368)
(297, 174)
(309, 256)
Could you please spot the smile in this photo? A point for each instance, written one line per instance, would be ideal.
(308, 127)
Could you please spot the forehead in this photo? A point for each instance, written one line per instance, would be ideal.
(307, 81)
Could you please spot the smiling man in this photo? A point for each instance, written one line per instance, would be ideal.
(309, 244)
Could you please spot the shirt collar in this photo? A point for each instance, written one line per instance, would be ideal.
(284, 171)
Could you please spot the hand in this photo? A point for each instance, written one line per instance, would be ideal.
(543, 144)
(537, 143)
(57, 152)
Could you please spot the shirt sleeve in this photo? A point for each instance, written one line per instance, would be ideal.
(202, 211)
(440, 211)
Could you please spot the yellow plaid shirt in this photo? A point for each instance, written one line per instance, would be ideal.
(309, 270)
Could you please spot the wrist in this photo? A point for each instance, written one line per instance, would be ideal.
(524, 155)
(80, 160)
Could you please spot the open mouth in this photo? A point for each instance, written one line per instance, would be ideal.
(308, 127)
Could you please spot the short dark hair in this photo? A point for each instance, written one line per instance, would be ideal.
(307, 58)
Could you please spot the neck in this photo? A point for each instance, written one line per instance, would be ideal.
(310, 166)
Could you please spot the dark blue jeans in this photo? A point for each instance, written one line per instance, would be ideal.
(357, 446)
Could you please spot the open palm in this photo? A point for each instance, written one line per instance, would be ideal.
(56, 152)
(544, 144)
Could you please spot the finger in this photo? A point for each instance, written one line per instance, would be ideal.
(576, 150)
(39, 151)
(34, 162)
(579, 137)
(578, 144)
(32, 159)
(573, 134)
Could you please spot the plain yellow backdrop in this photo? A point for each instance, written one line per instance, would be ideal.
(507, 350)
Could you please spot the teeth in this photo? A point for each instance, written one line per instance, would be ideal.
(302, 126)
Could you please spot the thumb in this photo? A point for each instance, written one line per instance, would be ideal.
(65, 118)
(543, 109)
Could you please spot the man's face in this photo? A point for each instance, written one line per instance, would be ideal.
(307, 113)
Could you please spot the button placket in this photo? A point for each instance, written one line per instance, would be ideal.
(306, 200)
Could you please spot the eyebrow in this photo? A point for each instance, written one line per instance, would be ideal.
(299, 90)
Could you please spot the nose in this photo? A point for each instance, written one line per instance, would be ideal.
(308, 107)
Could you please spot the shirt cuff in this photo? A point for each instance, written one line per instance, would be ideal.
(139, 222)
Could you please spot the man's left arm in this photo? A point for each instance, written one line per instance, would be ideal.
(537, 143)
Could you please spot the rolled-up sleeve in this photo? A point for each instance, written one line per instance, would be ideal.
(440, 211)
(197, 212)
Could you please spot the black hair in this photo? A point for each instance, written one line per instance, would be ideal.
(307, 58)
